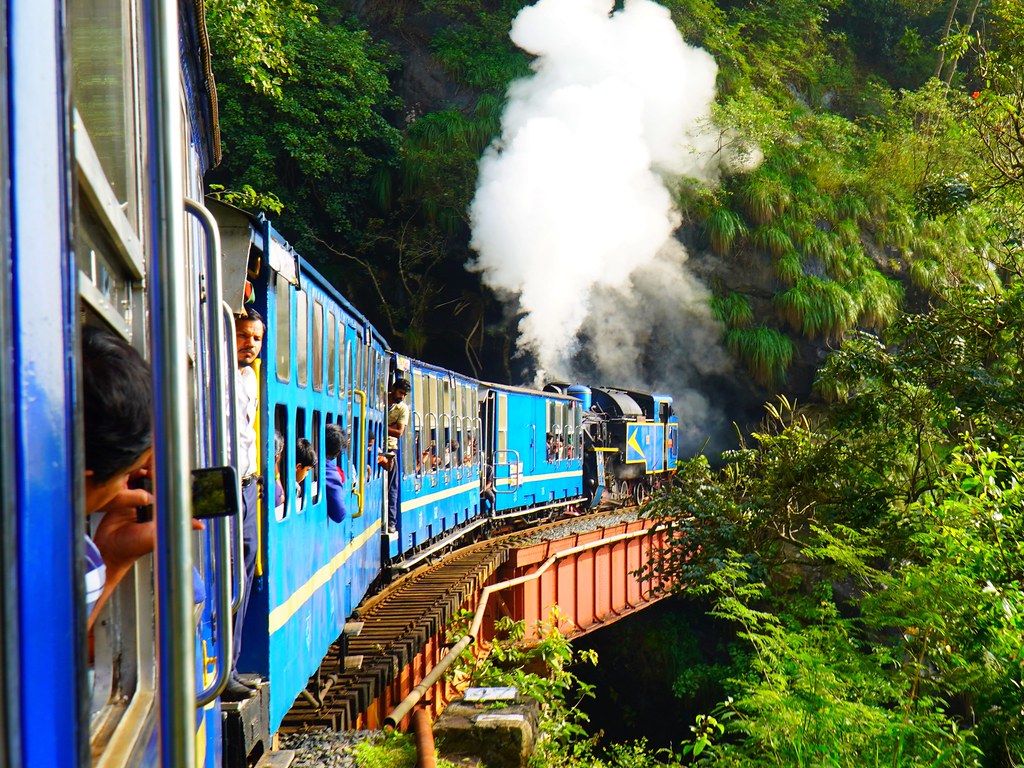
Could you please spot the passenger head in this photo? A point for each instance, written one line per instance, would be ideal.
(249, 329)
(305, 459)
(400, 389)
(335, 441)
(116, 397)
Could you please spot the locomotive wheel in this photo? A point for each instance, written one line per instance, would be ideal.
(623, 491)
(640, 494)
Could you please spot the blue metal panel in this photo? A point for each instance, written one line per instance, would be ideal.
(48, 529)
(307, 599)
(434, 499)
(523, 474)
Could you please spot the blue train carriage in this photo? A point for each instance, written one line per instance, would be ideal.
(98, 156)
(322, 362)
(439, 461)
(534, 442)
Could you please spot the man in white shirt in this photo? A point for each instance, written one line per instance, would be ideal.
(398, 420)
(249, 329)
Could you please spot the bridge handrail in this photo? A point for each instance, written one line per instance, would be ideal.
(405, 706)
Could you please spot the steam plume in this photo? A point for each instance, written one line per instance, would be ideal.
(573, 213)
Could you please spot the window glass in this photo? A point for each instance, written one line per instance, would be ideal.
(281, 462)
(314, 474)
(332, 352)
(301, 338)
(101, 51)
(343, 367)
(284, 328)
(291, 470)
(318, 346)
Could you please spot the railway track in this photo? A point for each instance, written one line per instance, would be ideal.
(397, 625)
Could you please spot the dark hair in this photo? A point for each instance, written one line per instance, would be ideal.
(250, 314)
(116, 396)
(305, 456)
(278, 442)
(335, 440)
(402, 385)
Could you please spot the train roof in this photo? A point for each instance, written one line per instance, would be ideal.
(526, 391)
(404, 362)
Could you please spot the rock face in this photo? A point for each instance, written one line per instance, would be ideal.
(501, 733)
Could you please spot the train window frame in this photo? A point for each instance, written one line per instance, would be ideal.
(344, 349)
(109, 123)
(316, 487)
(282, 511)
(332, 352)
(301, 338)
(282, 340)
(318, 346)
(301, 498)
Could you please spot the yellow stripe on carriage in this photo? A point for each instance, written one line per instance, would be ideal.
(524, 478)
(280, 615)
(446, 493)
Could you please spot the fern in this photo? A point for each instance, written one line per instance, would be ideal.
(789, 268)
(724, 227)
(733, 310)
(766, 352)
(773, 239)
(818, 307)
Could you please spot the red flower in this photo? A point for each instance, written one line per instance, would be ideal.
(976, 94)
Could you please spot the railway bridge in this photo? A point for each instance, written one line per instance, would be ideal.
(394, 656)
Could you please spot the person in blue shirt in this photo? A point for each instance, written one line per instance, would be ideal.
(335, 441)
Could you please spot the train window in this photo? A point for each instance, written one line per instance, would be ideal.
(318, 346)
(102, 48)
(405, 443)
(283, 310)
(282, 453)
(332, 352)
(301, 338)
(358, 375)
(301, 486)
(503, 428)
(345, 347)
(315, 474)
(346, 380)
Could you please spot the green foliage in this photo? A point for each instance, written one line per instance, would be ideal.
(733, 310)
(476, 49)
(559, 691)
(391, 750)
(247, 198)
(252, 35)
(817, 307)
(765, 351)
(319, 139)
(724, 227)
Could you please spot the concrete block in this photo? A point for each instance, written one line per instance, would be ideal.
(501, 736)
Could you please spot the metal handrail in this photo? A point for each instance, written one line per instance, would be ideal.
(168, 314)
(238, 540)
(221, 548)
(416, 441)
(361, 470)
(512, 488)
(398, 713)
(431, 416)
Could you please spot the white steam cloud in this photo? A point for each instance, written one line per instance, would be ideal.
(573, 214)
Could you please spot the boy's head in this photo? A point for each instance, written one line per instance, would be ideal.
(305, 459)
(116, 397)
(335, 441)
